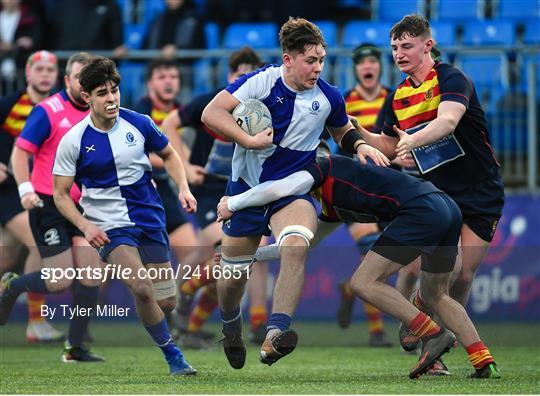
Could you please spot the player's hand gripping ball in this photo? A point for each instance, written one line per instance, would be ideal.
(252, 116)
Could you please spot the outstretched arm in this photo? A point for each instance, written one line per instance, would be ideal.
(296, 184)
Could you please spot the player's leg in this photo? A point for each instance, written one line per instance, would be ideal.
(199, 257)
(194, 337)
(38, 329)
(53, 242)
(294, 226)
(147, 307)
(407, 284)
(85, 299)
(236, 252)
(258, 312)
(473, 250)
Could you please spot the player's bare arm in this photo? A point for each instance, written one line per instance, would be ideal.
(217, 117)
(63, 201)
(448, 116)
(21, 172)
(176, 171)
(170, 126)
(384, 143)
(351, 141)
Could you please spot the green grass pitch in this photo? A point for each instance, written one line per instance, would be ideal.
(327, 360)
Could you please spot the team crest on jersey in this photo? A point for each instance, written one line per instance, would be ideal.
(429, 94)
(315, 106)
(130, 139)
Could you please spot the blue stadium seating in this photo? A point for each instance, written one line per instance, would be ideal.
(256, 35)
(458, 9)
(496, 32)
(532, 32)
(444, 33)
(134, 35)
(202, 77)
(523, 62)
(357, 32)
(211, 33)
(489, 74)
(485, 69)
(394, 10)
(519, 9)
(150, 9)
(330, 31)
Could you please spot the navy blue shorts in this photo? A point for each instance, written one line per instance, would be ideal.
(256, 220)
(10, 203)
(174, 217)
(208, 195)
(52, 232)
(429, 226)
(153, 245)
(481, 206)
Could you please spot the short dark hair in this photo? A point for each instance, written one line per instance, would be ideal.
(413, 25)
(245, 55)
(97, 72)
(298, 33)
(80, 57)
(159, 63)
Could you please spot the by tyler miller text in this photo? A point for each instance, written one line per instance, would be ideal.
(70, 312)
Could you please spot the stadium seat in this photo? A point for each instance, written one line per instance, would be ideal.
(522, 9)
(393, 11)
(329, 30)
(256, 35)
(489, 73)
(523, 65)
(444, 33)
(202, 77)
(134, 35)
(133, 83)
(458, 9)
(211, 33)
(531, 33)
(495, 32)
(150, 9)
(358, 32)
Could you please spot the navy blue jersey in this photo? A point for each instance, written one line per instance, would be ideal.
(352, 192)
(466, 157)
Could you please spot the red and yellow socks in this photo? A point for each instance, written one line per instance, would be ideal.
(204, 308)
(423, 326)
(258, 316)
(204, 277)
(35, 301)
(374, 319)
(479, 355)
(347, 291)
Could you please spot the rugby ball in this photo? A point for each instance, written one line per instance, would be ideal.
(252, 116)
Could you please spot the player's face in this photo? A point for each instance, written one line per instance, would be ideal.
(241, 70)
(42, 76)
(72, 83)
(410, 52)
(165, 83)
(305, 68)
(368, 72)
(104, 102)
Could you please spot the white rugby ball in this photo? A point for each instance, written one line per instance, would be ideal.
(252, 116)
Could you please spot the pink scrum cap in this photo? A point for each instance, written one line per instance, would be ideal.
(40, 56)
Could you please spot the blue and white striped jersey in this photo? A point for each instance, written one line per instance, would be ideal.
(113, 170)
(298, 119)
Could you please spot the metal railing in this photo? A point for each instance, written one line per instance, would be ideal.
(511, 104)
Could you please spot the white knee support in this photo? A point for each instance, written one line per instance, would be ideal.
(164, 289)
(242, 263)
(295, 230)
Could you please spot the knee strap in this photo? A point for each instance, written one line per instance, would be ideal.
(244, 263)
(295, 230)
(164, 289)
